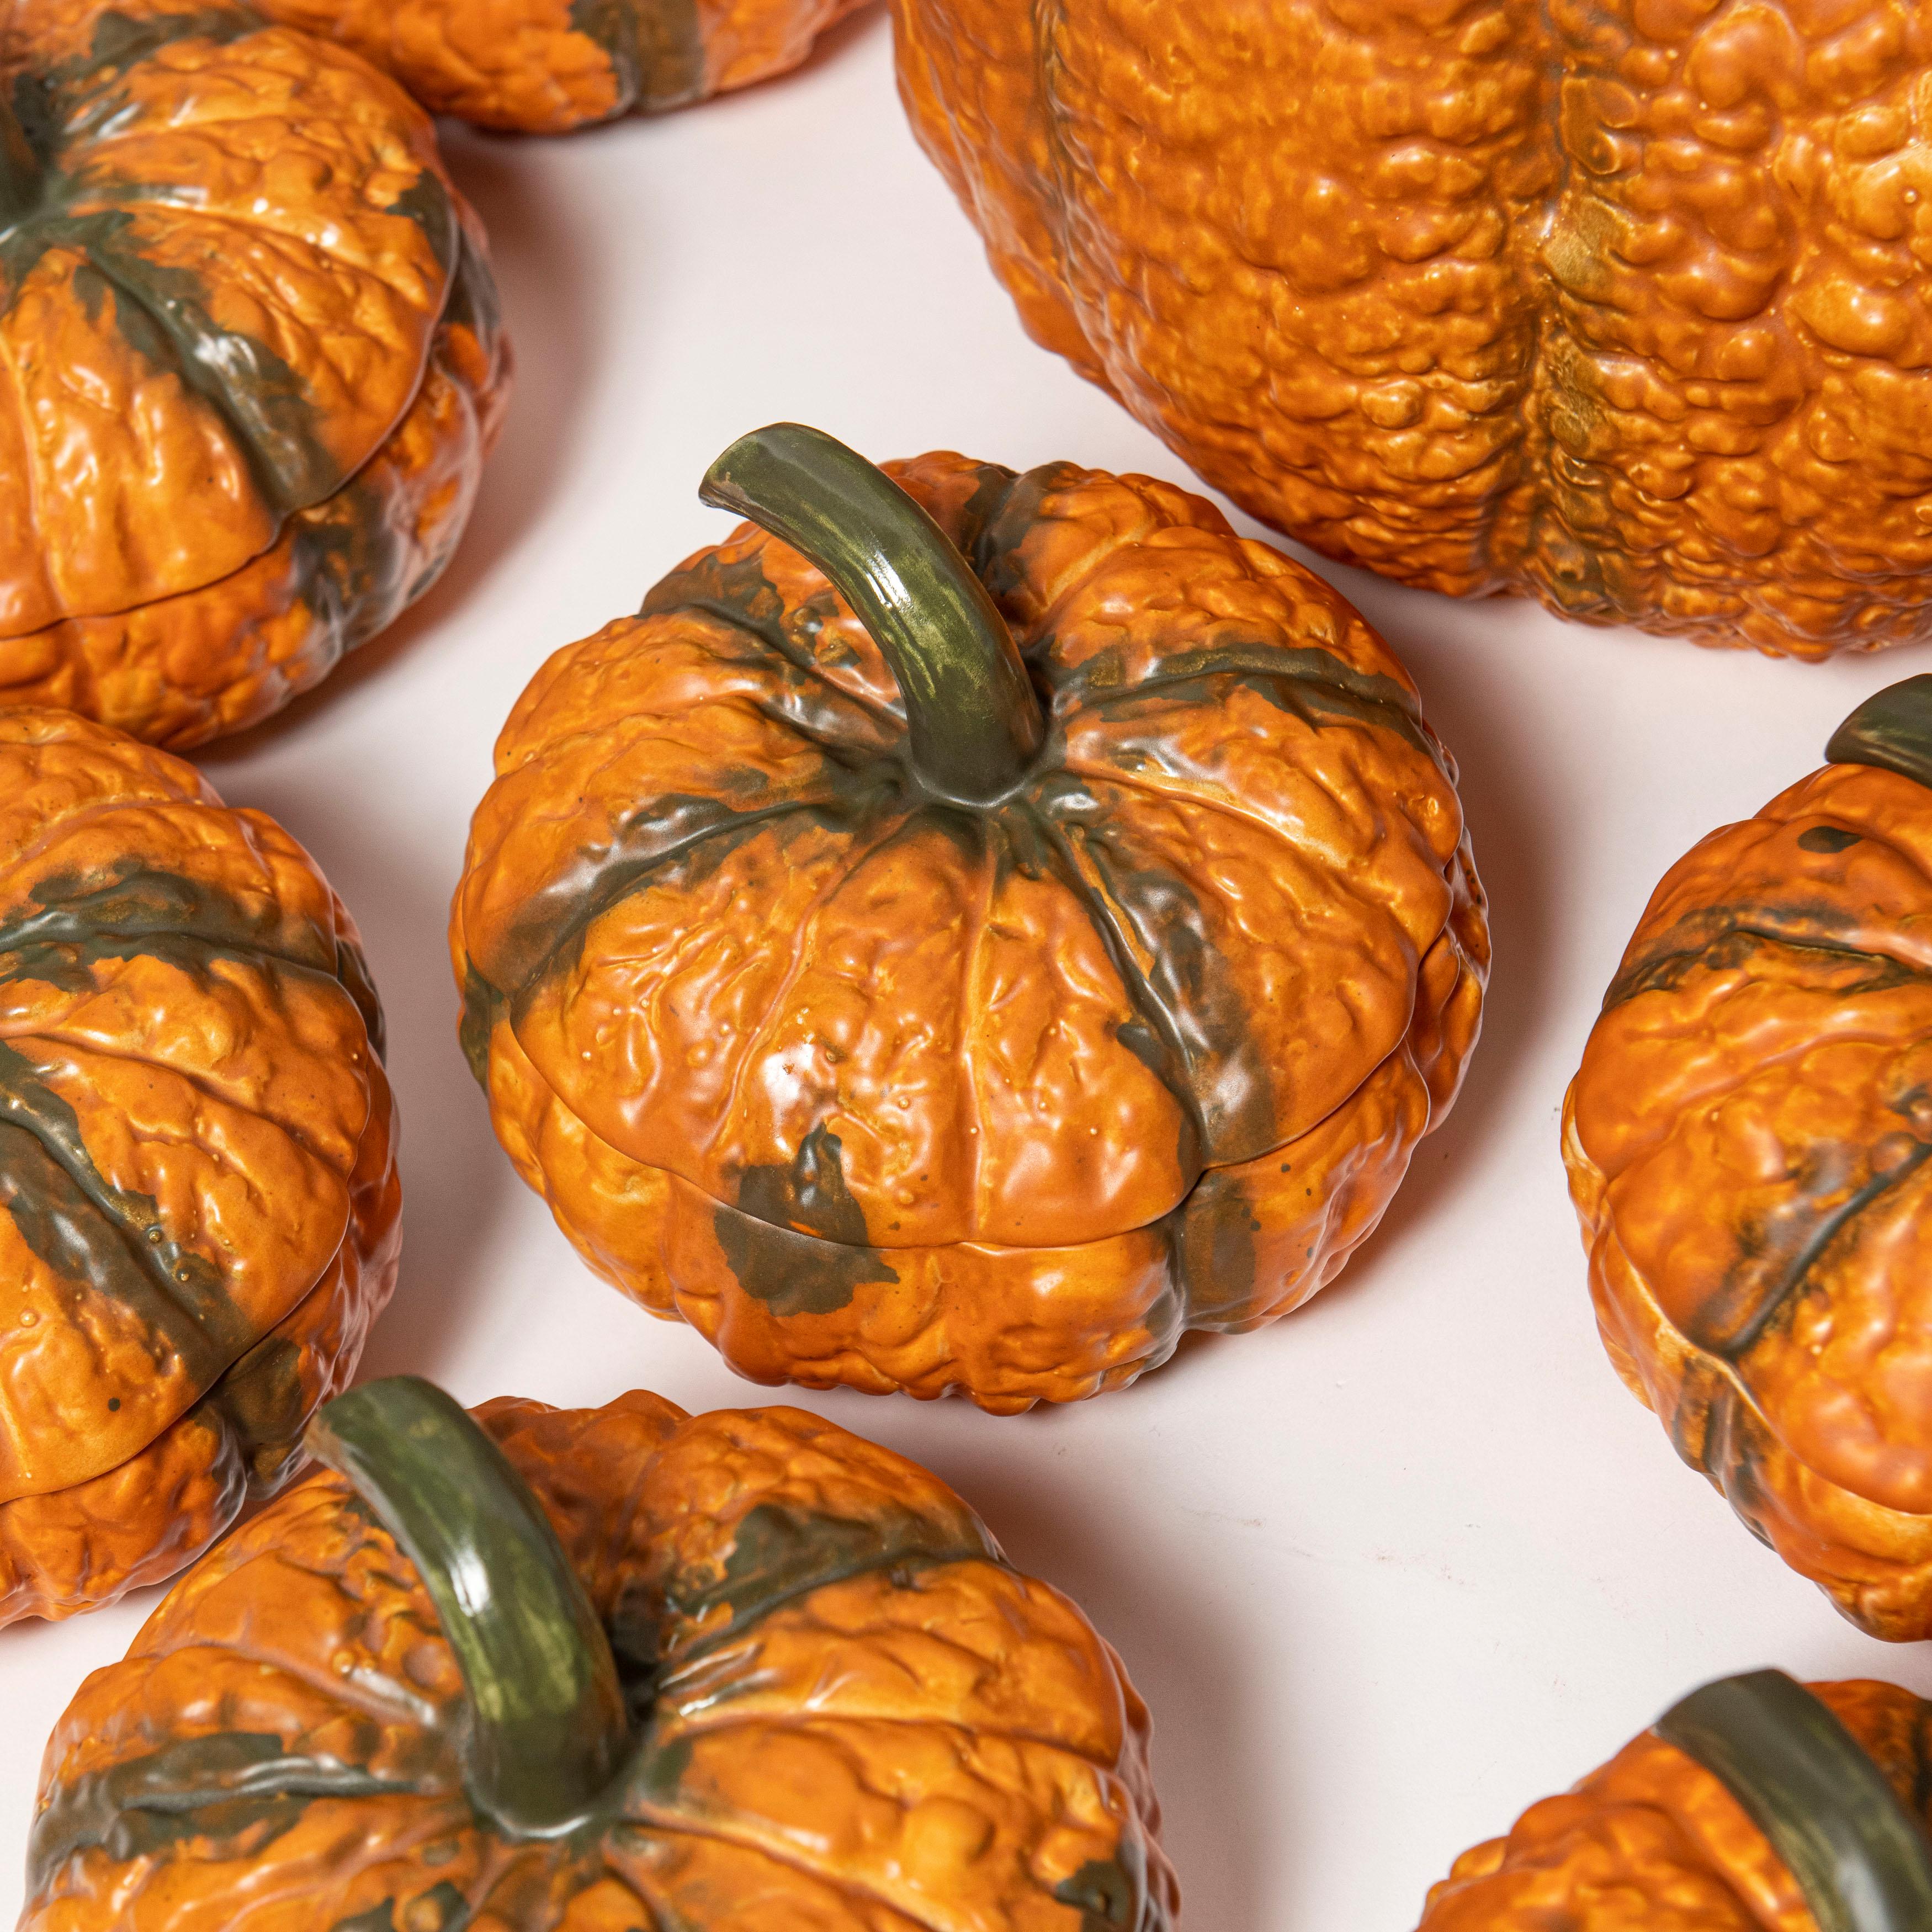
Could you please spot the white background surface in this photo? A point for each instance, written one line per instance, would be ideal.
(1386, 1572)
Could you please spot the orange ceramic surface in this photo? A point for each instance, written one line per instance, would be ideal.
(542, 67)
(1653, 1842)
(250, 361)
(879, 1090)
(196, 1160)
(1746, 1141)
(847, 1714)
(1620, 304)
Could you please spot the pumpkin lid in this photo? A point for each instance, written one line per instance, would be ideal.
(224, 250)
(961, 857)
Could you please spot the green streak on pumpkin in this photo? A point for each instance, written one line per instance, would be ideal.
(1862, 1862)
(1892, 729)
(778, 1554)
(129, 910)
(240, 1790)
(20, 166)
(656, 49)
(1781, 1248)
(794, 1274)
(1109, 1894)
(262, 1401)
(1211, 1235)
(973, 724)
(547, 1728)
(87, 1231)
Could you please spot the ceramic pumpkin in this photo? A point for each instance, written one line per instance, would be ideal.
(1746, 1141)
(964, 938)
(1621, 305)
(198, 1195)
(253, 361)
(1756, 1804)
(543, 67)
(605, 1670)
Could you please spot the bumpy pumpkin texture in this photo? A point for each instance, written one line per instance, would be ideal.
(836, 1708)
(1620, 304)
(1747, 1141)
(1656, 1838)
(543, 67)
(250, 360)
(197, 1166)
(877, 1086)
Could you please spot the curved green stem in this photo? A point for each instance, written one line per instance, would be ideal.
(547, 1728)
(1862, 1862)
(1893, 728)
(973, 721)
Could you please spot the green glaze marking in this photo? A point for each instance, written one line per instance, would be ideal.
(547, 1727)
(1111, 1894)
(656, 49)
(1783, 1246)
(1892, 728)
(809, 1193)
(1828, 838)
(88, 1231)
(481, 1003)
(1212, 1233)
(998, 517)
(738, 594)
(20, 166)
(1155, 920)
(973, 724)
(1313, 684)
(793, 1273)
(129, 910)
(673, 835)
(242, 1790)
(1861, 1861)
(778, 1554)
(1724, 937)
(263, 1400)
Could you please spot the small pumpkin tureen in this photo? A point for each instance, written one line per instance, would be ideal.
(970, 931)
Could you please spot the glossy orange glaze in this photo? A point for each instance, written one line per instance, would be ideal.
(181, 551)
(1619, 304)
(876, 1093)
(196, 1160)
(543, 67)
(862, 1717)
(1653, 1840)
(1744, 1140)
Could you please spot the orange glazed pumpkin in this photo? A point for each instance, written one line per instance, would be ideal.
(1041, 925)
(630, 1671)
(543, 67)
(1754, 1805)
(250, 360)
(1620, 304)
(1747, 1142)
(197, 1162)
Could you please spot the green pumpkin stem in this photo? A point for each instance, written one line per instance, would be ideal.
(1861, 1860)
(21, 175)
(972, 721)
(1892, 728)
(548, 1730)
